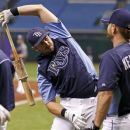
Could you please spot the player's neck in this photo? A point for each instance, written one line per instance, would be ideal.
(118, 41)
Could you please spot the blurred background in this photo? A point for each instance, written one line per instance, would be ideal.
(82, 18)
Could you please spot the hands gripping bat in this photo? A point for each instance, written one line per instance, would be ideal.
(20, 69)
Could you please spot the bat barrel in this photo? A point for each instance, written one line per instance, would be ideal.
(28, 93)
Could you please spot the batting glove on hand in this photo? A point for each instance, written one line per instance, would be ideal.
(94, 127)
(4, 115)
(79, 122)
(5, 17)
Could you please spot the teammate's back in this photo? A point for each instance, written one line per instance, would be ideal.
(121, 57)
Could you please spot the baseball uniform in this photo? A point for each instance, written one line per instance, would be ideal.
(6, 85)
(69, 73)
(115, 76)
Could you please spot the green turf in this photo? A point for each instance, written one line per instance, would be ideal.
(30, 118)
(31, 68)
(96, 67)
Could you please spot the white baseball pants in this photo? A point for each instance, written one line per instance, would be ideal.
(78, 106)
(117, 123)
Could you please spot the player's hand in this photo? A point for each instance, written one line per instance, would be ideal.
(79, 122)
(4, 115)
(5, 17)
(93, 127)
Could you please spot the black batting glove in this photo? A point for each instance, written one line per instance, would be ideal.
(94, 127)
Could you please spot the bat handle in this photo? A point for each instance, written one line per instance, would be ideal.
(28, 93)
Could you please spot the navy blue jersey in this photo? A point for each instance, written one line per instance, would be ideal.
(115, 76)
(6, 84)
(68, 71)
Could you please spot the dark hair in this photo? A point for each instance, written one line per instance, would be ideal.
(125, 33)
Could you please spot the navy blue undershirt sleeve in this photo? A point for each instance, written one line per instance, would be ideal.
(6, 85)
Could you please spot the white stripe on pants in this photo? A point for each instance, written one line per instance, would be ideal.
(78, 106)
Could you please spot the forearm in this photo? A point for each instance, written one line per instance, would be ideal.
(30, 10)
(59, 110)
(103, 103)
(55, 108)
(38, 10)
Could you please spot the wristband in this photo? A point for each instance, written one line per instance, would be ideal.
(63, 112)
(14, 11)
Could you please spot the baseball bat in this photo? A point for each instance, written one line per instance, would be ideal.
(20, 69)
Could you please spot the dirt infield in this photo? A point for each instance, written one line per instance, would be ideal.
(20, 97)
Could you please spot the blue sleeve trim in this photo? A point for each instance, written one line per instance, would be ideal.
(46, 89)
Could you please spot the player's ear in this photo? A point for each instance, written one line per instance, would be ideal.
(114, 29)
(46, 40)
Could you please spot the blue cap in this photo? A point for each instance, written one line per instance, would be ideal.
(36, 35)
(119, 17)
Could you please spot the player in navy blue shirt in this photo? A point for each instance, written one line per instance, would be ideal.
(63, 69)
(6, 89)
(114, 76)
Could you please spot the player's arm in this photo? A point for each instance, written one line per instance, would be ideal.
(104, 99)
(103, 103)
(108, 80)
(54, 107)
(38, 10)
(6, 87)
(48, 94)
(29, 10)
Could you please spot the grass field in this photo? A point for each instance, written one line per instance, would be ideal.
(25, 117)
(32, 70)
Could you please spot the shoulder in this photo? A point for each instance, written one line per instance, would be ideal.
(117, 52)
(114, 53)
(108, 54)
(113, 56)
(57, 30)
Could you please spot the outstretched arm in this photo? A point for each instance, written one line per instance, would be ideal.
(28, 10)
(38, 10)
(48, 94)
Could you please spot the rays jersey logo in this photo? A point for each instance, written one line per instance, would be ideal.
(60, 61)
(37, 34)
